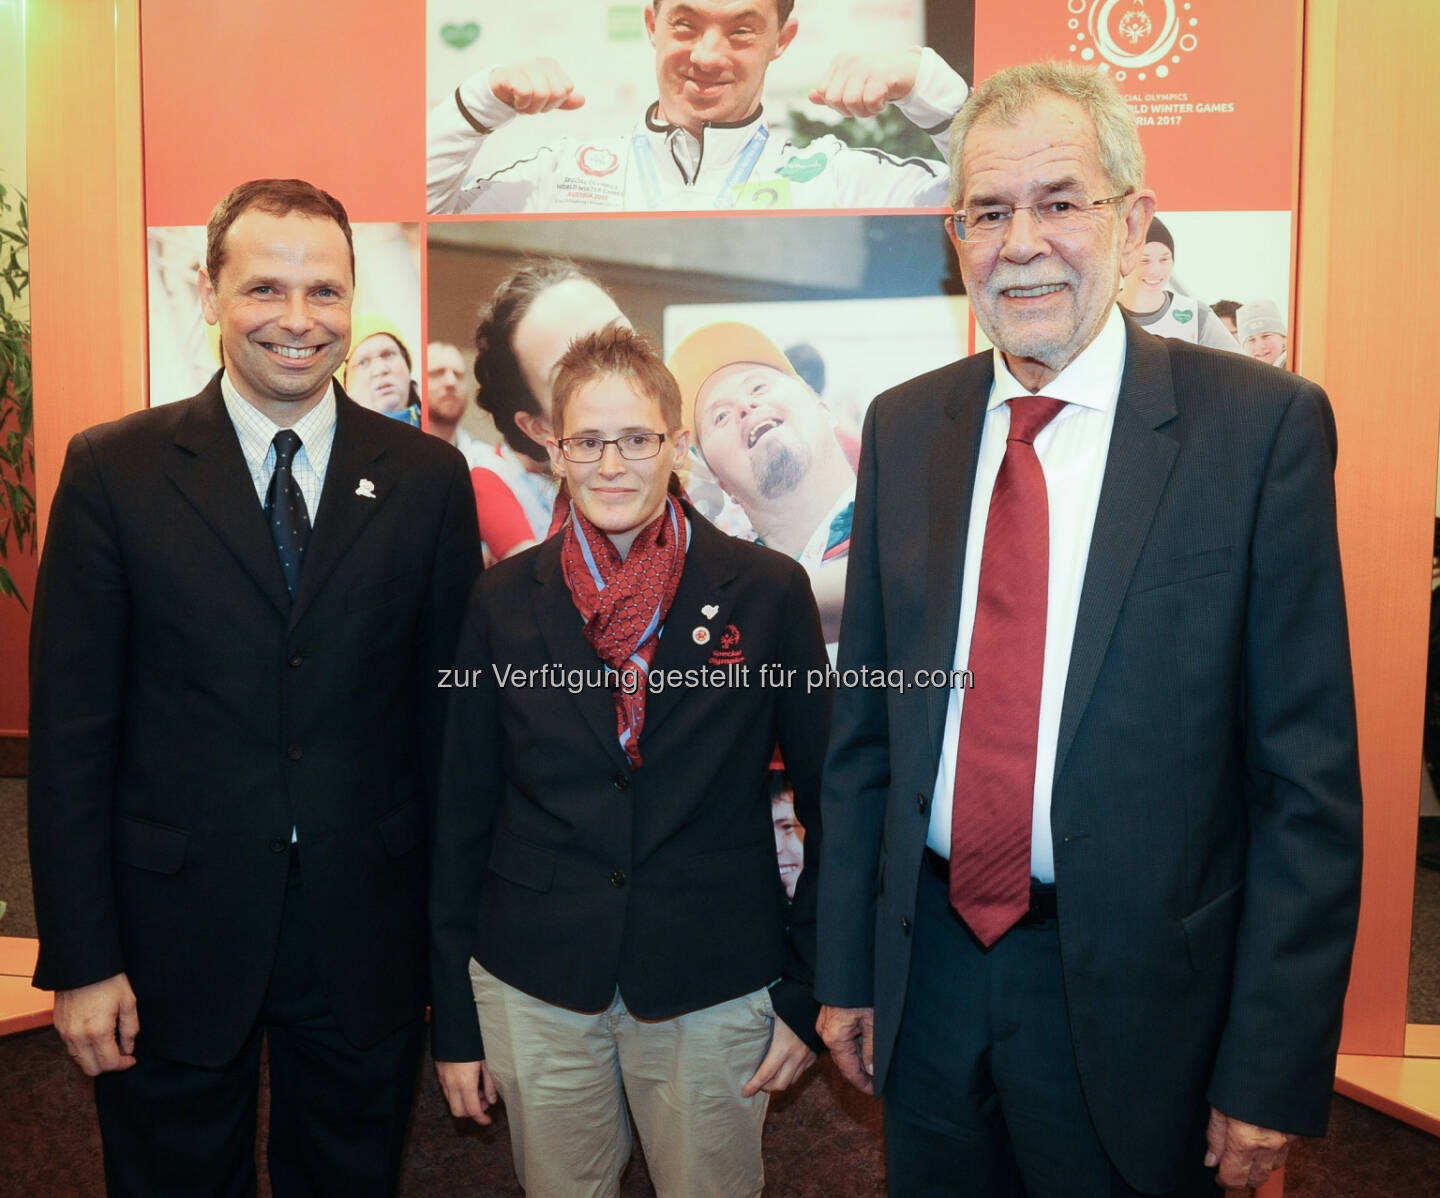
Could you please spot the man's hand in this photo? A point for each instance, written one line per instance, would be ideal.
(469, 1089)
(1246, 1154)
(849, 1034)
(788, 1058)
(98, 1024)
(535, 86)
(862, 84)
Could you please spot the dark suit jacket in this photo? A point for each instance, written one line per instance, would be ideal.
(1206, 802)
(185, 715)
(564, 873)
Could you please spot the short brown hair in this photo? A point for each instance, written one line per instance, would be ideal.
(617, 352)
(278, 197)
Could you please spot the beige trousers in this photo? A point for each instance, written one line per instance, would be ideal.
(565, 1075)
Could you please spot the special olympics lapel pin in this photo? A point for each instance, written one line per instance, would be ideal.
(701, 635)
(366, 489)
(710, 611)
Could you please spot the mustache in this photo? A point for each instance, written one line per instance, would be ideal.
(1005, 280)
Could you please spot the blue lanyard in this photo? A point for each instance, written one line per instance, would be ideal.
(643, 154)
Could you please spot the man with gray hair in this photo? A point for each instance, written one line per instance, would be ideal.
(1086, 920)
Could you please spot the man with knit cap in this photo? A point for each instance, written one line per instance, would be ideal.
(379, 370)
(608, 923)
(770, 442)
(1261, 328)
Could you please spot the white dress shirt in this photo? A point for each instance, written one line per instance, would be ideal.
(1072, 449)
(316, 430)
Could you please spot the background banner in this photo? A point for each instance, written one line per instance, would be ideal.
(853, 301)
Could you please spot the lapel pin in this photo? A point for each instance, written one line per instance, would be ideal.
(709, 611)
(366, 489)
(701, 635)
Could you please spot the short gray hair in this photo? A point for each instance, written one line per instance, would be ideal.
(1008, 93)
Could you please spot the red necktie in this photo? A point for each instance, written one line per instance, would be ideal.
(995, 762)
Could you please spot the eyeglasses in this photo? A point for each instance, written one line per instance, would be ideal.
(633, 447)
(1059, 214)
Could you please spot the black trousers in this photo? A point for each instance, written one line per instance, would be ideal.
(983, 1097)
(338, 1114)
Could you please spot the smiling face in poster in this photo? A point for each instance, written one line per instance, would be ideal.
(760, 430)
(1041, 294)
(1268, 347)
(1156, 265)
(711, 57)
(282, 303)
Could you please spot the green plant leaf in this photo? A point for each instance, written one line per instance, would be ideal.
(17, 454)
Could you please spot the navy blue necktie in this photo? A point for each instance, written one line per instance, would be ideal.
(285, 509)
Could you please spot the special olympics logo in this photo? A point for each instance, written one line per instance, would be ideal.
(1143, 36)
(596, 160)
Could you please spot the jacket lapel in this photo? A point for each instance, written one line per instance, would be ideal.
(563, 632)
(953, 457)
(709, 567)
(210, 472)
(346, 504)
(1136, 471)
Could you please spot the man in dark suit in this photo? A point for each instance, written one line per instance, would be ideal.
(606, 894)
(1086, 918)
(235, 730)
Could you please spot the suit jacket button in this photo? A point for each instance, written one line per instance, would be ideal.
(620, 781)
(278, 846)
(905, 924)
(293, 660)
(294, 752)
(617, 879)
(922, 803)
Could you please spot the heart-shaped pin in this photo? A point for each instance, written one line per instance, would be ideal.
(710, 610)
(460, 36)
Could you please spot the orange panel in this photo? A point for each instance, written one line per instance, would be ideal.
(332, 93)
(1228, 75)
(21, 1005)
(1406, 1088)
(87, 233)
(1365, 66)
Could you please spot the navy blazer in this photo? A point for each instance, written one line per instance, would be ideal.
(1206, 795)
(185, 715)
(567, 875)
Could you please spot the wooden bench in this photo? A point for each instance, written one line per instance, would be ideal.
(21, 1005)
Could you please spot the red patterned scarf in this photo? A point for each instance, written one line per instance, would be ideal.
(625, 601)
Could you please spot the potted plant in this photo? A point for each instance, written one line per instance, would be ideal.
(17, 451)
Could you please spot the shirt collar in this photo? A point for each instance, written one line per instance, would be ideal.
(1091, 380)
(722, 140)
(316, 429)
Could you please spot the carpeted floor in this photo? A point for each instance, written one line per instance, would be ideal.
(822, 1141)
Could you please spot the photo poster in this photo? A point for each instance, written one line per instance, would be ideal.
(865, 298)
